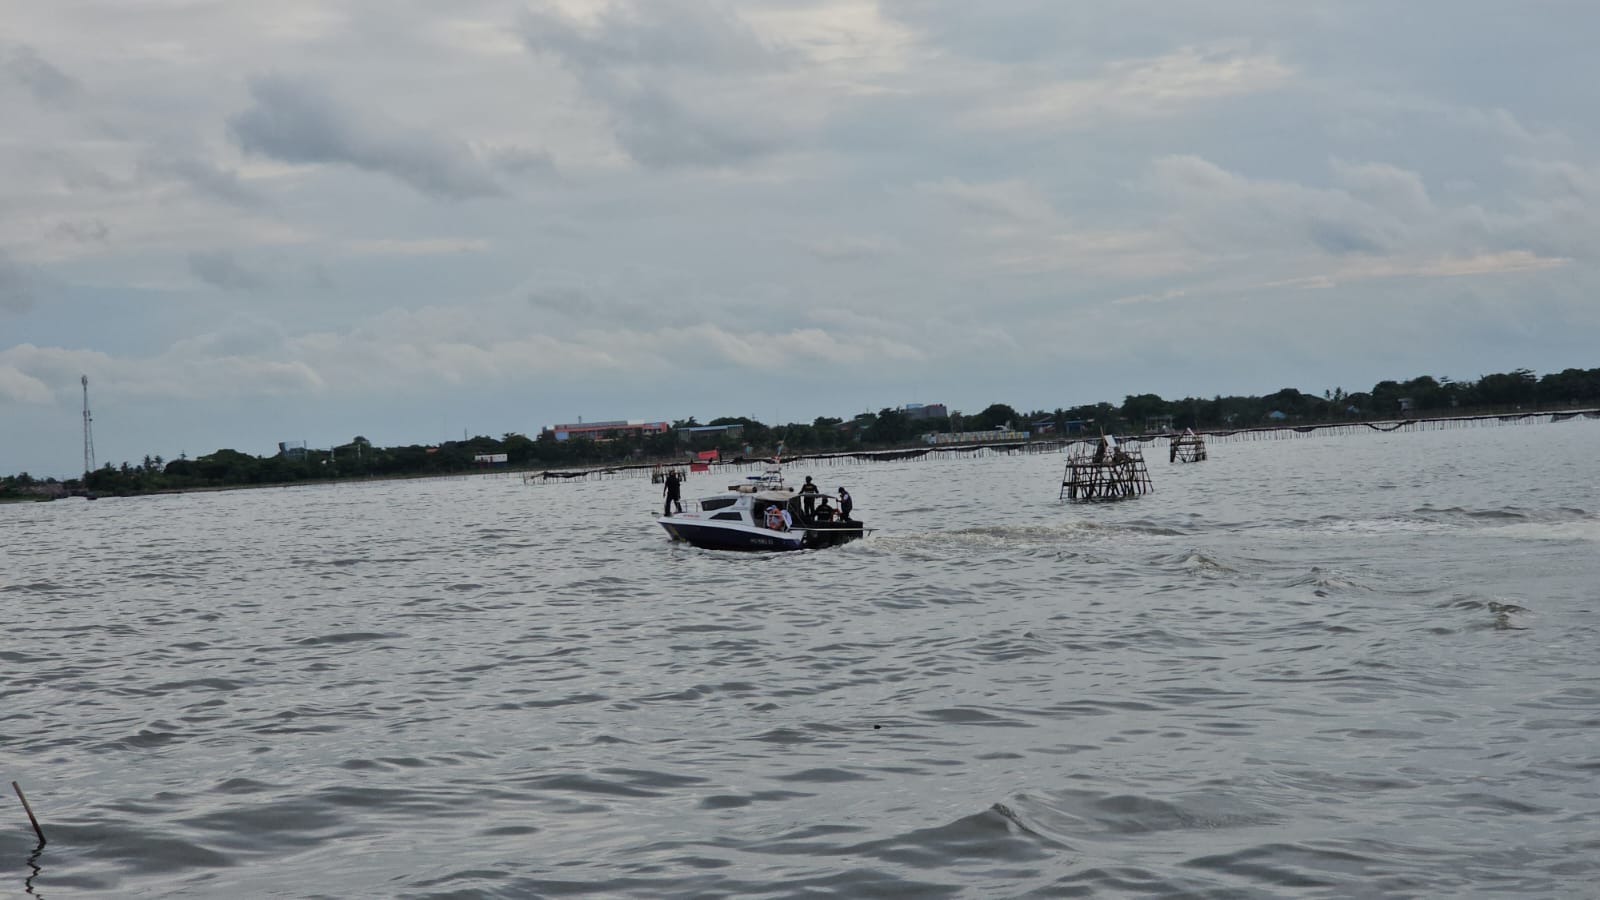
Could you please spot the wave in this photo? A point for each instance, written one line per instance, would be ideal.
(1069, 539)
(1199, 563)
(1554, 523)
(1326, 580)
(1500, 515)
(1067, 530)
(1500, 614)
(1068, 814)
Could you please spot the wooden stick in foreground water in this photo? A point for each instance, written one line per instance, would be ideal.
(29, 810)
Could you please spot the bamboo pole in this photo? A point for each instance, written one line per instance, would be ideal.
(29, 810)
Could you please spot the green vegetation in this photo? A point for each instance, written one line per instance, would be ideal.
(888, 428)
(23, 486)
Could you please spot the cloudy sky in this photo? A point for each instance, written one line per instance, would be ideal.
(409, 220)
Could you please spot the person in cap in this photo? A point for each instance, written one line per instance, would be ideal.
(808, 496)
(672, 492)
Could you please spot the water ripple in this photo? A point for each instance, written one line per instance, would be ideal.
(1301, 668)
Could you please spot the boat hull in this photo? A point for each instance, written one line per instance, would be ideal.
(731, 536)
(833, 534)
(737, 536)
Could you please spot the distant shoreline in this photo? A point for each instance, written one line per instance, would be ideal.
(1033, 444)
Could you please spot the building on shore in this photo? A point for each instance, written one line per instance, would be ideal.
(692, 433)
(1002, 435)
(605, 431)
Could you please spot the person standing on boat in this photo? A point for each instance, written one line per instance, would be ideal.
(671, 491)
(774, 518)
(845, 504)
(808, 497)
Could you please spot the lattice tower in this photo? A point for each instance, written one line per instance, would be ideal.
(88, 432)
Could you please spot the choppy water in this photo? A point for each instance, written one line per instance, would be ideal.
(1325, 667)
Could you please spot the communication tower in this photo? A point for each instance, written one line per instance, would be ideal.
(88, 432)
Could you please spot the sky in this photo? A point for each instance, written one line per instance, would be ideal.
(407, 220)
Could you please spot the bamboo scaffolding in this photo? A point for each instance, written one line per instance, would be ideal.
(1187, 448)
(1118, 475)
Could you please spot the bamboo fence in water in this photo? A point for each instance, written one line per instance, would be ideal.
(1067, 444)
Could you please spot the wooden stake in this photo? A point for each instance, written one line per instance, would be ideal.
(29, 810)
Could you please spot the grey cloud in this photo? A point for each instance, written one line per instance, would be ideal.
(609, 306)
(1082, 34)
(1556, 211)
(848, 249)
(243, 337)
(1023, 30)
(296, 123)
(1387, 186)
(661, 69)
(319, 278)
(17, 386)
(47, 83)
(1382, 221)
(584, 308)
(203, 176)
(1221, 209)
(16, 295)
(92, 231)
(1560, 179)
(521, 161)
(654, 34)
(220, 269)
(1342, 238)
(77, 174)
(657, 130)
(564, 301)
(1010, 200)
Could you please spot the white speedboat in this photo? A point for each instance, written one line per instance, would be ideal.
(751, 516)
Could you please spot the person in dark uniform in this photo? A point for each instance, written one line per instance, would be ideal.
(824, 512)
(845, 504)
(808, 496)
(671, 491)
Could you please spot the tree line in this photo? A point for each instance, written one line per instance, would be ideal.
(885, 429)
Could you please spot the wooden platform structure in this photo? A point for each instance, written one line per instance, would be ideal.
(1186, 448)
(1109, 472)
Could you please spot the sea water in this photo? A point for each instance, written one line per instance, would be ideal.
(1332, 666)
